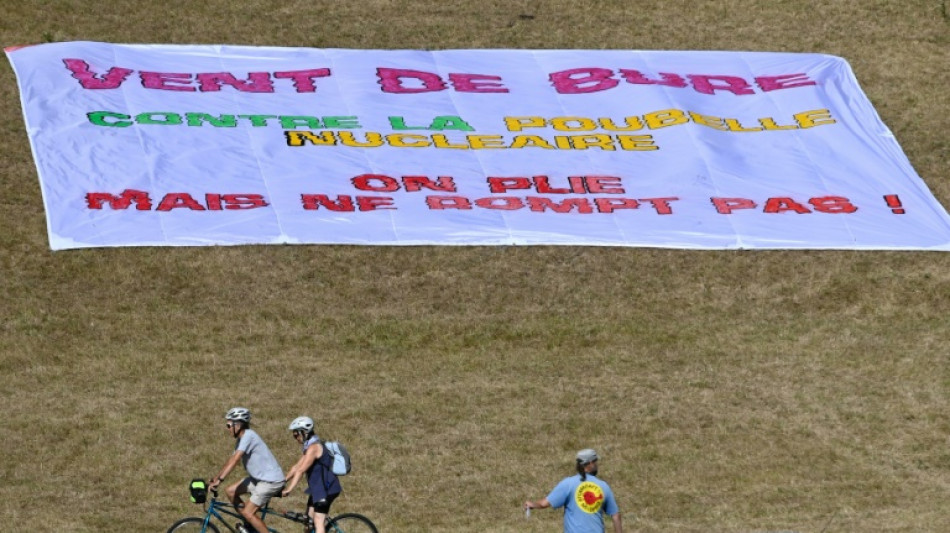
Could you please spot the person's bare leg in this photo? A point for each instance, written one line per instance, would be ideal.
(319, 521)
(249, 512)
(235, 492)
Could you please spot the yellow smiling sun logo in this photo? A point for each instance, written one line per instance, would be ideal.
(589, 497)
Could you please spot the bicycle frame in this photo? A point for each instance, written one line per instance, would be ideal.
(216, 509)
(223, 511)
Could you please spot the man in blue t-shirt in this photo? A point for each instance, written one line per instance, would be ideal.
(584, 497)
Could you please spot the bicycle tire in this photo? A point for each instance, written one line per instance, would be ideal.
(188, 525)
(351, 523)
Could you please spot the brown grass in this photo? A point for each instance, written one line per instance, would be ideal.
(726, 391)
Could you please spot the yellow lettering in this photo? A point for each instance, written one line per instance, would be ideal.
(562, 142)
(479, 142)
(564, 124)
(664, 118)
(373, 139)
(299, 138)
(407, 140)
(519, 123)
(601, 140)
(631, 124)
(715, 123)
(735, 125)
(530, 141)
(817, 117)
(769, 124)
(441, 141)
(637, 142)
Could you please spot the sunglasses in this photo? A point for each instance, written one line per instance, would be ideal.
(230, 425)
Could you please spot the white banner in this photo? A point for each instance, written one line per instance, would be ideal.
(153, 145)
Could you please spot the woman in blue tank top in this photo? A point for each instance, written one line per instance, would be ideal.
(323, 485)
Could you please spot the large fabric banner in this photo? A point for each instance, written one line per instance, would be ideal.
(154, 145)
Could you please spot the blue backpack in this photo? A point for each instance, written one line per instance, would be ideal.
(339, 456)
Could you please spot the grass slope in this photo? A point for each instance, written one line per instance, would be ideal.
(726, 391)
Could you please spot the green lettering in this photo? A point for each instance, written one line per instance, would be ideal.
(99, 119)
(450, 123)
(223, 121)
(341, 122)
(159, 117)
(290, 123)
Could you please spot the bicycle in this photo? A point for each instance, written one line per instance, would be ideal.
(216, 509)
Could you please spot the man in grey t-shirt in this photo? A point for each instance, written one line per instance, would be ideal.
(264, 478)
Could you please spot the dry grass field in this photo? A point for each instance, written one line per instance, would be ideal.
(729, 391)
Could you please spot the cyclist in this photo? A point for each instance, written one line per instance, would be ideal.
(323, 485)
(264, 478)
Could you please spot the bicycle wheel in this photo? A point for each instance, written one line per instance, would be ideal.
(192, 525)
(351, 523)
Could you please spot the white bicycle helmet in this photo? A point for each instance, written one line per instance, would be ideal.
(304, 423)
(238, 414)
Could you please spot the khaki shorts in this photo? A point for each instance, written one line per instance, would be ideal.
(261, 491)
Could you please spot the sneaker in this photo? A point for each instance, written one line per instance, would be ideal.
(242, 528)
